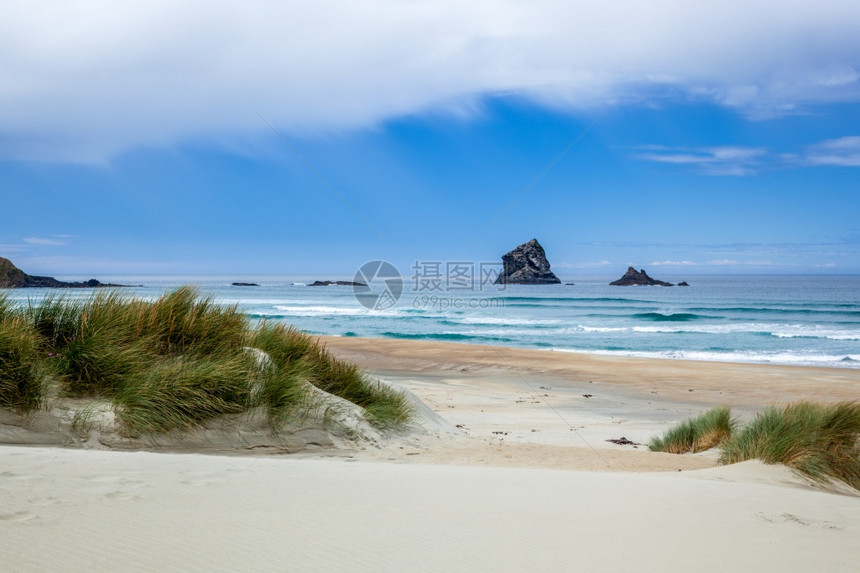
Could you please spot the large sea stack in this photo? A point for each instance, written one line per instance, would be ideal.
(13, 277)
(638, 278)
(527, 265)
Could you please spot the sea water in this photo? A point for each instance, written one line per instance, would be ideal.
(803, 320)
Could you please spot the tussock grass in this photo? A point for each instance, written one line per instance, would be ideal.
(385, 408)
(819, 440)
(180, 392)
(175, 362)
(697, 434)
(22, 368)
(56, 319)
(6, 310)
(180, 322)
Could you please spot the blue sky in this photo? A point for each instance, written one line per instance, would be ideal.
(162, 138)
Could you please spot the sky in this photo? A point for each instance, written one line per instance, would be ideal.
(306, 138)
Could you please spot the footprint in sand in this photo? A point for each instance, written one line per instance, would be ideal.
(122, 496)
(791, 518)
(43, 501)
(18, 517)
(7, 475)
(112, 480)
(203, 480)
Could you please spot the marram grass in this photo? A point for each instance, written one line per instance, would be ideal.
(697, 434)
(182, 392)
(22, 370)
(819, 440)
(173, 363)
(384, 406)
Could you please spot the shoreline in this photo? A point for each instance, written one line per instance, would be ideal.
(711, 381)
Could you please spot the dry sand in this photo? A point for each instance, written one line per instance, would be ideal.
(529, 408)
(437, 498)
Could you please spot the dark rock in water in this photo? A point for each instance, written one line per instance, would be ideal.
(638, 278)
(337, 283)
(527, 265)
(13, 277)
(244, 284)
(683, 283)
(569, 284)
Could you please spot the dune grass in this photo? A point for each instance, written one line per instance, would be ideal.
(173, 363)
(384, 406)
(180, 392)
(55, 319)
(819, 440)
(22, 368)
(697, 434)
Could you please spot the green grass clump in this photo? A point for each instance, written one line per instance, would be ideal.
(95, 350)
(175, 362)
(819, 440)
(108, 340)
(56, 319)
(697, 434)
(180, 392)
(384, 407)
(180, 322)
(22, 368)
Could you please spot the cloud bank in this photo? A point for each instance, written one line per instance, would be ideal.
(84, 81)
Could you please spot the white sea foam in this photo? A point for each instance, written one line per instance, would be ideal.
(842, 361)
(490, 320)
(806, 331)
(777, 330)
(505, 332)
(583, 328)
(322, 310)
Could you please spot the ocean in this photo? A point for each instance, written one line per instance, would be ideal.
(801, 320)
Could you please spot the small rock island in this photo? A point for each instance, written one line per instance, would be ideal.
(638, 278)
(13, 277)
(527, 265)
(337, 283)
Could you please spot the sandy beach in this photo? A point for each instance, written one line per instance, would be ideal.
(509, 468)
(508, 406)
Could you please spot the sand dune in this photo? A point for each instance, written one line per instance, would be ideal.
(75, 510)
(507, 469)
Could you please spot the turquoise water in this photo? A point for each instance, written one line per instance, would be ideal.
(806, 320)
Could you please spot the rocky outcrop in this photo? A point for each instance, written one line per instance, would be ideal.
(337, 283)
(683, 283)
(638, 278)
(527, 265)
(13, 277)
(244, 284)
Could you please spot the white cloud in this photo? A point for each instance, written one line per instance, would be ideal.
(43, 242)
(672, 263)
(725, 160)
(592, 265)
(844, 152)
(85, 80)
